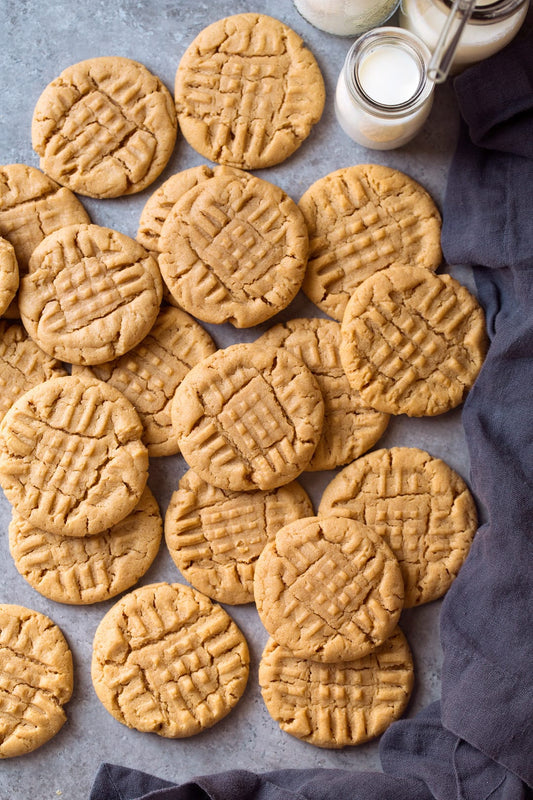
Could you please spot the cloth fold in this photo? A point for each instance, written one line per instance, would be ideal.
(508, 100)
(487, 681)
(477, 742)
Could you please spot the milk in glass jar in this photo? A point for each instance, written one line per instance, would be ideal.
(383, 94)
(492, 25)
(346, 17)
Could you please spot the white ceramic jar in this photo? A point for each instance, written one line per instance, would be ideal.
(492, 25)
(346, 17)
(383, 94)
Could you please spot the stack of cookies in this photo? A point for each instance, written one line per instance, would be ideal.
(336, 670)
(216, 244)
(412, 342)
(85, 526)
(392, 531)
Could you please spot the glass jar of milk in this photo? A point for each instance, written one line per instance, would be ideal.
(492, 25)
(383, 94)
(346, 17)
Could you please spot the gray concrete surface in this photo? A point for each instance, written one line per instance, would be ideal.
(37, 41)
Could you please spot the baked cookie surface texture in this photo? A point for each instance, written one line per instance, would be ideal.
(422, 508)
(71, 457)
(36, 679)
(233, 249)
(412, 342)
(23, 364)
(105, 127)
(351, 427)
(159, 204)
(215, 537)
(149, 374)
(362, 219)
(248, 91)
(9, 274)
(168, 660)
(88, 569)
(339, 704)
(32, 206)
(328, 588)
(91, 294)
(248, 417)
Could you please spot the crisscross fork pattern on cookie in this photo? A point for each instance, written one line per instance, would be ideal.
(333, 705)
(179, 663)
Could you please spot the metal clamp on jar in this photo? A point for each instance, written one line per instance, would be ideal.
(491, 25)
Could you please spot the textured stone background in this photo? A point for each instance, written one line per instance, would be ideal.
(37, 41)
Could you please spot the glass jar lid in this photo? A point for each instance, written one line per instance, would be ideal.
(386, 71)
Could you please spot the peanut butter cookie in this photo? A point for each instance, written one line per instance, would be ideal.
(168, 660)
(421, 507)
(105, 127)
(362, 219)
(248, 91)
(32, 206)
(351, 427)
(412, 342)
(71, 457)
(233, 249)
(215, 536)
(248, 417)
(9, 274)
(149, 374)
(328, 588)
(78, 571)
(36, 680)
(23, 364)
(91, 294)
(159, 204)
(341, 704)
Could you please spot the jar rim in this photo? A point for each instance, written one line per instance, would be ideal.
(491, 12)
(388, 35)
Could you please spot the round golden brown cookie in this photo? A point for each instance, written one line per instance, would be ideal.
(90, 569)
(32, 206)
(36, 680)
(421, 507)
(328, 588)
(23, 364)
(149, 374)
(351, 427)
(360, 220)
(159, 204)
(233, 249)
(248, 91)
(336, 705)
(9, 274)
(168, 660)
(216, 536)
(91, 294)
(71, 457)
(105, 127)
(248, 417)
(412, 342)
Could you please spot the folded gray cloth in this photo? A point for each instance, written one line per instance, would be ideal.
(487, 620)
(477, 742)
